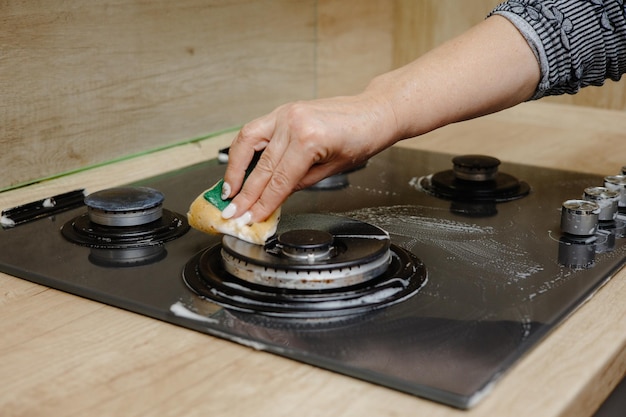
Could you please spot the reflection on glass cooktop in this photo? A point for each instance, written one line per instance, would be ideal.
(498, 276)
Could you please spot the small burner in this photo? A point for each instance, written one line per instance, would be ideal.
(123, 218)
(125, 206)
(474, 178)
(332, 266)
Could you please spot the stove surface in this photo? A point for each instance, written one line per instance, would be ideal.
(499, 276)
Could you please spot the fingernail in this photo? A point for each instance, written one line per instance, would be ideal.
(229, 211)
(225, 190)
(245, 218)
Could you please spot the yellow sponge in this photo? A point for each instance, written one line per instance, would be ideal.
(205, 214)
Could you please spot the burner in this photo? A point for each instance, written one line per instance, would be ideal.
(339, 255)
(334, 266)
(125, 206)
(474, 178)
(125, 218)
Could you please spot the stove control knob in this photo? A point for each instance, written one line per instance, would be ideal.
(576, 255)
(579, 217)
(617, 183)
(606, 199)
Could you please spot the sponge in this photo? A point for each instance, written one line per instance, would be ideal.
(205, 214)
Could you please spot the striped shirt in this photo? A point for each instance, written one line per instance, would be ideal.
(577, 42)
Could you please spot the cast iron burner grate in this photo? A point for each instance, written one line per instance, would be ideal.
(342, 267)
(84, 232)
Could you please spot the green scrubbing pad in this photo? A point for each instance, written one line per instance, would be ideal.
(214, 194)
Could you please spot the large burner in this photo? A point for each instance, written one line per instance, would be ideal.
(339, 253)
(318, 265)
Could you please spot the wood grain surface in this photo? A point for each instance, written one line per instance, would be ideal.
(63, 355)
(355, 43)
(84, 83)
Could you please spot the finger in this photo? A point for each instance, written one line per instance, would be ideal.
(259, 178)
(292, 167)
(254, 136)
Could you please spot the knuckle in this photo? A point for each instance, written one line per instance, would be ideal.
(264, 209)
(265, 165)
(246, 133)
(280, 183)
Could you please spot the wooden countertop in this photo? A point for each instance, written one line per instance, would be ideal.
(64, 355)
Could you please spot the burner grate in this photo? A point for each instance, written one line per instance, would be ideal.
(205, 275)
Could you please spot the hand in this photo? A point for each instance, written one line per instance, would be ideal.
(303, 143)
(486, 69)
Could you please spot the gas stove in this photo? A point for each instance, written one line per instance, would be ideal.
(420, 272)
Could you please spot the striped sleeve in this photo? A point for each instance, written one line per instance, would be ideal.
(577, 42)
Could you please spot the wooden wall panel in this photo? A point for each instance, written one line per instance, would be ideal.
(86, 82)
(355, 43)
(420, 25)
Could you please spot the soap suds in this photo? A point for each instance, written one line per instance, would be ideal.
(6, 221)
(181, 310)
(461, 242)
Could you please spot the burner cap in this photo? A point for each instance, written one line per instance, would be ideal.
(308, 244)
(475, 167)
(125, 206)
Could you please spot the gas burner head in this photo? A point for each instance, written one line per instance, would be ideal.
(340, 253)
(125, 218)
(475, 179)
(317, 266)
(308, 245)
(125, 206)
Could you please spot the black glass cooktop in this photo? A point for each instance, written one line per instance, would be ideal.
(498, 276)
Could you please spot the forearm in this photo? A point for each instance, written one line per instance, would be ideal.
(489, 68)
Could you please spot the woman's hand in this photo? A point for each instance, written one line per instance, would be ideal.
(303, 142)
